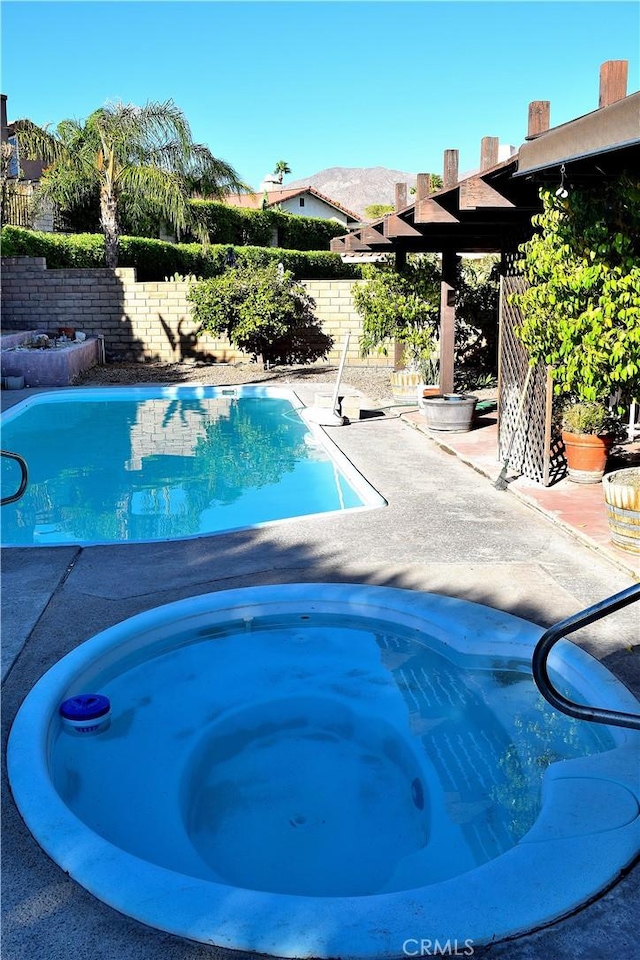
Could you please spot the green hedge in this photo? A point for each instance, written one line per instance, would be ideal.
(157, 260)
(241, 227)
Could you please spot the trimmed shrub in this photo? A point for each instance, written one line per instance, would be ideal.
(263, 311)
(60, 250)
(156, 259)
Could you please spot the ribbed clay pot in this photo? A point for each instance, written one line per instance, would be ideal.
(586, 456)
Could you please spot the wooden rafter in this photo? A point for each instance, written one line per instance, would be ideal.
(394, 226)
(476, 193)
(373, 236)
(430, 211)
(354, 243)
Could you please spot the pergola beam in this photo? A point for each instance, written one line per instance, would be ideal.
(430, 211)
(394, 226)
(476, 193)
(373, 236)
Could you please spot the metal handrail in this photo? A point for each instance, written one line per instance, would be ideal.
(24, 477)
(553, 634)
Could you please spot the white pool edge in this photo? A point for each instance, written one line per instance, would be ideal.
(478, 906)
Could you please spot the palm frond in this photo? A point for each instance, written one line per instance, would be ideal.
(37, 143)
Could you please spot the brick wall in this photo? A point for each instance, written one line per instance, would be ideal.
(147, 321)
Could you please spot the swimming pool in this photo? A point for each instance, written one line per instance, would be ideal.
(113, 465)
(321, 770)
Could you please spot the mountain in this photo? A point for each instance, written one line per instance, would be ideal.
(356, 187)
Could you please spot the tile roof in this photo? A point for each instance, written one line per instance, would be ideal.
(253, 201)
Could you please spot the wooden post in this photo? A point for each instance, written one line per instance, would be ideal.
(450, 168)
(447, 319)
(398, 348)
(613, 81)
(489, 152)
(539, 117)
(401, 196)
(423, 186)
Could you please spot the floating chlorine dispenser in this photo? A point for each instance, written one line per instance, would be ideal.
(86, 713)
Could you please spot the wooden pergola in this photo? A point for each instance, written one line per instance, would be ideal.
(487, 212)
(490, 210)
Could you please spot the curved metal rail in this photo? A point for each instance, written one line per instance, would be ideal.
(24, 477)
(553, 634)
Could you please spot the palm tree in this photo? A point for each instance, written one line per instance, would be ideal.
(139, 159)
(281, 168)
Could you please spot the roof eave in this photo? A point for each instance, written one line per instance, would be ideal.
(610, 128)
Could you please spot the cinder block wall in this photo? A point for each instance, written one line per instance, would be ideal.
(147, 321)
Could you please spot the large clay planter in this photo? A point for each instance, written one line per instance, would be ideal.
(586, 456)
(622, 497)
(449, 412)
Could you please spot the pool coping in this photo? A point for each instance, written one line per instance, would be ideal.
(378, 927)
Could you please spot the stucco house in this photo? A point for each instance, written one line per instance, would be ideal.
(300, 201)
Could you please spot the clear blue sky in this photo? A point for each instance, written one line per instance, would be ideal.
(320, 84)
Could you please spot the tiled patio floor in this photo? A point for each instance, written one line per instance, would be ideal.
(578, 508)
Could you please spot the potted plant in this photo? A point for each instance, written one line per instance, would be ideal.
(581, 304)
(622, 497)
(418, 377)
(587, 438)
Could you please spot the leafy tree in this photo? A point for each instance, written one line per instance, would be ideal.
(376, 210)
(477, 301)
(140, 161)
(263, 312)
(581, 311)
(281, 168)
(404, 307)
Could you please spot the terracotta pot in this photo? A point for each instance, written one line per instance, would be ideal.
(431, 391)
(622, 497)
(586, 456)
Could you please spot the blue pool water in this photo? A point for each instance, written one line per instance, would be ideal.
(327, 770)
(115, 465)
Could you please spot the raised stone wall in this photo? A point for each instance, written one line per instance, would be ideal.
(147, 321)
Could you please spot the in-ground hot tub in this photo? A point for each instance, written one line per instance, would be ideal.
(56, 366)
(322, 770)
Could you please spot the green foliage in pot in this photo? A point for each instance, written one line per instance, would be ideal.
(581, 311)
(402, 307)
(263, 312)
(585, 417)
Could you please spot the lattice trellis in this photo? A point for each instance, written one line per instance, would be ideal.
(535, 452)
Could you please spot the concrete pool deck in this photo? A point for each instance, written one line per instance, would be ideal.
(446, 530)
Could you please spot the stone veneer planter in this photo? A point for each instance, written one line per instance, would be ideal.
(53, 367)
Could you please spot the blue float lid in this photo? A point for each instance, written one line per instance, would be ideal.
(86, 706)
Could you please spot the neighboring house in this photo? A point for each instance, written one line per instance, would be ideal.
(300, 201)
(22, 178)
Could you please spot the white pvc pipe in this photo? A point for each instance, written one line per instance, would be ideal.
(334, 402)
